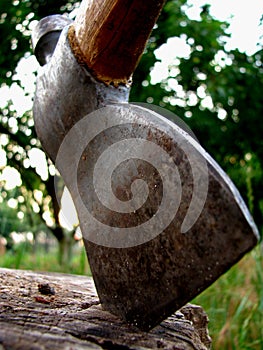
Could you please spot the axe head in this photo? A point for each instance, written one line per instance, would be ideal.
(161, 220)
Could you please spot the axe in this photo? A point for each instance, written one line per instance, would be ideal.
(161, 221)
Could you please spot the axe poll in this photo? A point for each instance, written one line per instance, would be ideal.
(161, 221)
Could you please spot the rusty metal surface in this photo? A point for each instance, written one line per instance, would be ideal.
(65, 93)
(145, 282)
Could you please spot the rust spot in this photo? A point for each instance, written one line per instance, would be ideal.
(42, 300)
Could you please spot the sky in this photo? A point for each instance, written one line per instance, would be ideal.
(243, 16)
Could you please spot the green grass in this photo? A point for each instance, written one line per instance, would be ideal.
(234, 303)
(25, 258)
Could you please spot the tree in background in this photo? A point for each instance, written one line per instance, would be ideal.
(18, 137)
(216, 92)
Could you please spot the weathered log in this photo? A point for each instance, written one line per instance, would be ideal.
(59, 311)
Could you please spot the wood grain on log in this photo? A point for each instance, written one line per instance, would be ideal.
(70, 317)
(109, 36)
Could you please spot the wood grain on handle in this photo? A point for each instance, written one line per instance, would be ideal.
(109, 36)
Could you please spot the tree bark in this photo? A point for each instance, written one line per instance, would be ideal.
(109, 36)
(58, 311)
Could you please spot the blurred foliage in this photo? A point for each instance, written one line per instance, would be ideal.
(15, 30)
(8, 222)
(40, 201)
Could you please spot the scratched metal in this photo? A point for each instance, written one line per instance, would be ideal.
(146, 283)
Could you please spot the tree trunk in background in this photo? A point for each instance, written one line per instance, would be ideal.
(65, 246)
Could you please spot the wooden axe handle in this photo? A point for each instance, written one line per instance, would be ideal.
(109, 36)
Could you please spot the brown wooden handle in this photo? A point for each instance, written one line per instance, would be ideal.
(109, 36)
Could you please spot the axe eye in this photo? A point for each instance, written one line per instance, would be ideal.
(45, 36)
(46, 46)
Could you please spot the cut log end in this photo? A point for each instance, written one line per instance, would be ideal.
(97, 71)
(71, 317)
(109, 36)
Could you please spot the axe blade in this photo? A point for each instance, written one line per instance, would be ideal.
(147, 273)
(154, 270)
